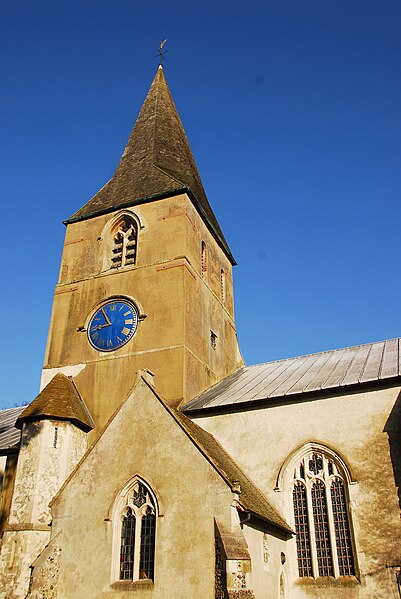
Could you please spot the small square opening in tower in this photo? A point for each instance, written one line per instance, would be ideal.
(213, 340)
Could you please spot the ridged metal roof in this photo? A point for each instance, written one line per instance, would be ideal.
(9, 435)
(304, 374)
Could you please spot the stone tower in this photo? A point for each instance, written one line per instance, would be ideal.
(150, 240)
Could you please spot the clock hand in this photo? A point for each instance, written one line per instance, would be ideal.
(107, 319)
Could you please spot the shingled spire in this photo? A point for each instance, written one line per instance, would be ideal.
(157, 162)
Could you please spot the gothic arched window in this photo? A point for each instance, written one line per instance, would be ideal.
(125, 238)
(136, 531)
(321, 519)
(203, 259)
(223, 286)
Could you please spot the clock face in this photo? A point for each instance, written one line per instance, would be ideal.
(112, 325)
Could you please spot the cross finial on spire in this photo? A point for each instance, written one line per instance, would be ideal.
(161, 53)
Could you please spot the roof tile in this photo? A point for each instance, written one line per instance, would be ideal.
(157, 160)
(60, 399)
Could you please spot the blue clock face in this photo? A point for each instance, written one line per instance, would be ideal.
(112, 325)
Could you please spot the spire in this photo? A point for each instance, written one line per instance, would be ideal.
(157, 162)
(59, 400)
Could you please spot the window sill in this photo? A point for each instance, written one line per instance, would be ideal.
(131, 585)
(329, 581)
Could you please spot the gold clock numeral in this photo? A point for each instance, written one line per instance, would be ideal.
(125, 331)
(118, 339)
(113, 307)
(109, 343)
(129, 321)
(101, 342)
(95, 335)
(126, 313)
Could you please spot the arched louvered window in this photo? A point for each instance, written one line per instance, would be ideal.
(223, 286)
(321, 519)
(125, 239)
(203, 258)
(137, 534)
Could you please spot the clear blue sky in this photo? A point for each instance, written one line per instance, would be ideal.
(293, 113)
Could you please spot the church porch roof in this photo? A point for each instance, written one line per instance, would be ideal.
(340, 369)
(250, 497)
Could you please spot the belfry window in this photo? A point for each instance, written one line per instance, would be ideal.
(137, 534)
(125, 238)
(223, 286)
(321, 520)
(203, 259)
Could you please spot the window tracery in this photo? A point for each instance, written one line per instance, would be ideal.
(136, 532)
(321, 520)
(125, 237)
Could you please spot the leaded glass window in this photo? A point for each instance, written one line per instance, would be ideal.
(322, 535)
(127, 546)
(138, 532)
(341, 525)
(302, 530)
(321, 519)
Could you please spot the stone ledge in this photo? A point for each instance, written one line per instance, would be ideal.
(130, 585)
(329, 582)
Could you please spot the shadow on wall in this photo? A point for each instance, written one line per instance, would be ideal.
(393, 429)
(7, 489)
(31, 430)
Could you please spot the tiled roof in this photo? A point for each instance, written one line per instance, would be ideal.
(251, 497)
(9, 434)
(323, 371)
(60, 399)
(156, 162)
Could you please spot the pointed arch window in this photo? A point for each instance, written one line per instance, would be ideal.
(137, 532)
(321, 517)
(223, 286)
(125, 239)
(203, 259)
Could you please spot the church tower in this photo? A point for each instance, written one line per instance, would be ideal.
(146, 276)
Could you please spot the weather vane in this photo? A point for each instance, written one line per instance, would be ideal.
(161, 53)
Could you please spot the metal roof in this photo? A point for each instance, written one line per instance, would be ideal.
(314, 372)
(9, 435)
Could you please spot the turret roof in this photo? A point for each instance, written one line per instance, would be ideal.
(59, 400)
(157, 162)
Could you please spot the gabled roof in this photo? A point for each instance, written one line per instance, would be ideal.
(9, 434)
(157, 162)
(59, 400)
(320, 372)
(250, 497)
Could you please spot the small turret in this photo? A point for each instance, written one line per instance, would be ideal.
(54, 431)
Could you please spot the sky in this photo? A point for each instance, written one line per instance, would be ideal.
(293, 113)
